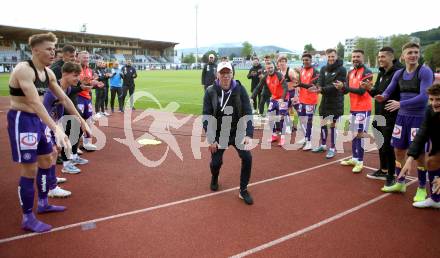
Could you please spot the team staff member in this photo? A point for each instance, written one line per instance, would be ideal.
(226, 98)
(255, 74)
(388, 66)
(209, 72)
(128, 76)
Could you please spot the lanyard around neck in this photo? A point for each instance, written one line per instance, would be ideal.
(223, 105)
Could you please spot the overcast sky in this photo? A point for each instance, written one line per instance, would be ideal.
(289, 24)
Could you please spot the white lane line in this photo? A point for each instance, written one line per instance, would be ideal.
(79, 224)
(375, 169)
(312, 227)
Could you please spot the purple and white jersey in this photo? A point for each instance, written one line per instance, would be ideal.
(52, 105)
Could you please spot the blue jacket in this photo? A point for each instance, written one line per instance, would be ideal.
(116, 79)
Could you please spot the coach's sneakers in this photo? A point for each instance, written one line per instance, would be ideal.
(214, 183)
(79, 161)
(61, 180)
(307, 146)
(428, 203)
(246, 197)
(69, 168)
(395, 188)
(378, 174)
(358, 167)
(420, 195)
(58, 192)
(330, 153)
(106, 114)
(89, 146)
(349, 162)
(321, 148)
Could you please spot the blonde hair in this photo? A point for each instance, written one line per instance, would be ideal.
(40, 38)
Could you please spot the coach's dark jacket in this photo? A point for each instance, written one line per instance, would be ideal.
(332, 101)
(209, 74)
(241, 106)
(382, 82)
(429, 130)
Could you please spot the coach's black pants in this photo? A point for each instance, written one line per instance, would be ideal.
(386, 152)
(100, 99)
(113, 92)
(246, 165)
(125, 89)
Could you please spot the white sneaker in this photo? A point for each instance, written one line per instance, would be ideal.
(97, 116)
(89, 146)
(79, 152)
(57, 192)
(308, 146)
(106, 114)
(70, 169)
(301, 142)
(79, 161)
(61, 180)
(428, 203)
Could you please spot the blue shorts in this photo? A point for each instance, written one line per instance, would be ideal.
(85, 107)
(306, 109)
(274, 105)
(28, 136)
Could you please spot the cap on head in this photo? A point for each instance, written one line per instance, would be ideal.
(224, 65)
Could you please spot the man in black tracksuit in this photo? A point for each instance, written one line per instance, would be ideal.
(388, 66)
(102, 93)
(209, 72)
(226, 104)
(255, 74)
(128, 75)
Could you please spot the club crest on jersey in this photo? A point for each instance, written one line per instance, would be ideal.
(397, 132)
(414, 133)
(28, 141)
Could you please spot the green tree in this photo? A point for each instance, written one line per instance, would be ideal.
(309, 47)
(247, 50)
(340, 50)
(397, 41)
(206, 55)
(432, 55)
(189, 59)
(369, 46)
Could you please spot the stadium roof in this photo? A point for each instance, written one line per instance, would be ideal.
(20, 33)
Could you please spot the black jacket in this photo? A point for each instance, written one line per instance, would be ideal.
(209, 73)
(255, 79)
(101, 75)
(429, 130)
(382, 82)
(239, 101)
(57, 69)
(332, 101)
(128, 74)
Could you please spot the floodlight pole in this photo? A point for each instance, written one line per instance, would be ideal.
(197, 46)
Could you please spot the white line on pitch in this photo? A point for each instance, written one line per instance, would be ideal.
(79, 224)
(312, 227)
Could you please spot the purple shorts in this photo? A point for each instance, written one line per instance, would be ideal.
(360, 120)
(274, 105)
(405, 130)
(306, 109)
(85, 106)
(28, 136)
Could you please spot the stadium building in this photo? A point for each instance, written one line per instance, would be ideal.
(145, 54)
